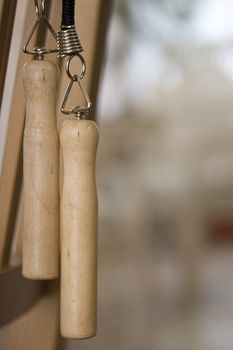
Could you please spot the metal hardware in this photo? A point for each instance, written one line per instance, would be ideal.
(40, 18)
(78, 111)
(69, 59)
(70, 46)
(43, 9)
(68, 41)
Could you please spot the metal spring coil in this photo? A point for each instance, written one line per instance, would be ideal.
(68, 41)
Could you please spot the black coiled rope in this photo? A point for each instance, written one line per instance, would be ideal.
(68, 11)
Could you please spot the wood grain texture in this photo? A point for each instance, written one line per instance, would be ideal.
(79, 211)
(41, 162)
(11, 127)
(15, 259)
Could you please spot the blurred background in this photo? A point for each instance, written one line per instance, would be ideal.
(165, 178)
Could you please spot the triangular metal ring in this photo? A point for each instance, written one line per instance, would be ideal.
(79, 111)
(43, 50)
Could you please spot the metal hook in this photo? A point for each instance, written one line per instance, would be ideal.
(78, 111)
(42, 50)
(40, 17)
(43, 9)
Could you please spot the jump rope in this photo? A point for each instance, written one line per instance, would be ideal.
(60, 234)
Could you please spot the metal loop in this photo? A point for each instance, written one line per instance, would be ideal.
(41, 14)
(78, 111)
(43, 50)
(76, 77)
(40, 19)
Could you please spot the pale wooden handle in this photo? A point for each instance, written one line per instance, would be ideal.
(41, 173)
(79, 211)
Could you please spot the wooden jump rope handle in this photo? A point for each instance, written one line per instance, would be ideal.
(41, 162)
(79, 207)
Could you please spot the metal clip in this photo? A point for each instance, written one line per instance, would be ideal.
(40, 18)
(43, 9)
(78, 111)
